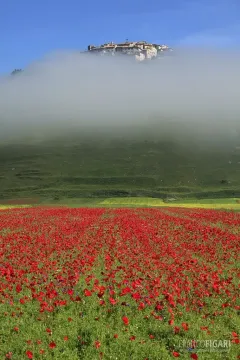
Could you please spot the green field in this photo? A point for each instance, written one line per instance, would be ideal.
(226, 204)
(106, 166)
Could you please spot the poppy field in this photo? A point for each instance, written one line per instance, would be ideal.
(104, 283)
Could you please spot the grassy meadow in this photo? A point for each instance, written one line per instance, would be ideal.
(226, 204)
(87, 166)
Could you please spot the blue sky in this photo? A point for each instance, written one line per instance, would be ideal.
(29, 29)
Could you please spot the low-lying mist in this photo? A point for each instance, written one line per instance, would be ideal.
(193, 93)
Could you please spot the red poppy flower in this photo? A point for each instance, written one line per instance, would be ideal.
(125, 320)
(194, 356)
(112, 301)
(87, 292)
(97, 344)
(185, 326)
(141, 306)
(29, 354)
(18, 288)
(176, 329)
(175, 354)
(9, 355)
(52, 345)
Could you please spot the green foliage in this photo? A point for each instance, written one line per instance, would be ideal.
(86, 322)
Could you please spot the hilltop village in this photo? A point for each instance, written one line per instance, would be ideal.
(141, 50)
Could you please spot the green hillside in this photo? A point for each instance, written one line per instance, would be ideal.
(101, 166)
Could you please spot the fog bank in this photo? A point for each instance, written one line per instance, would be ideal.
(198, 89)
